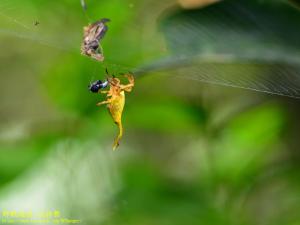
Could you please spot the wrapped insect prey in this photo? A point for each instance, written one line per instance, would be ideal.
(92, 36)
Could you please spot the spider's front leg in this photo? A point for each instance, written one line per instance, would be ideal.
(128, 87)
(108, 101)
(108, 93)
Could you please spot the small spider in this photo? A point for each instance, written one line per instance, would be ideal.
(115, 99)
(36, 23)
(93, 33)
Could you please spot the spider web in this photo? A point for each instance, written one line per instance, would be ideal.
(38, 28)
(232, 43)
(16, 23)
(242, 44)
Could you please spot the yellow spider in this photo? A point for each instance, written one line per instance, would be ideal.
(115, 99)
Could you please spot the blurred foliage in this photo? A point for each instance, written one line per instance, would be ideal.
(192, 153)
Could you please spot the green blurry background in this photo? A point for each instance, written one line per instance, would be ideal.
(192, 153)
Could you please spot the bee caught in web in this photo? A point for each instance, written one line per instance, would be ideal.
(92, 34)
(115, 101)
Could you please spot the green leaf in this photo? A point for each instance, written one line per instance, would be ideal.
(248, 35)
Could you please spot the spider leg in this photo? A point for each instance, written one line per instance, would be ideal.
(128, 87)
(130, 78)
(108, 93)
(104, 102)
